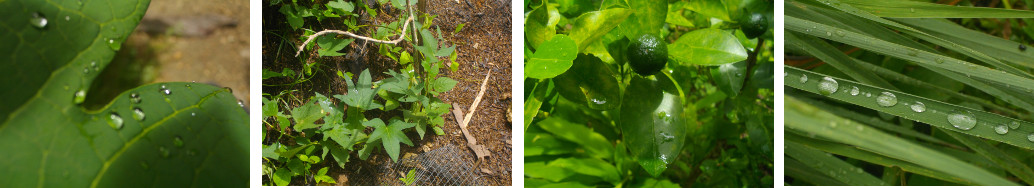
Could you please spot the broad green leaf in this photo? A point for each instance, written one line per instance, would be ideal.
(707, 47)
(305, 116)
(648, 17)
(269, 108)
(675, 15)
(535, 99)
(329, 46)
(53, 141)
(341, 7)
(538, 143)
(360, 93)
(443, 84)
(282, 177)
(590, 81)
(545, 171)
(552, 58)
(594, 143)
(390, 135)
(591, 26)
(729, 77)
(713, 8)
(540, 25)
(828, 126)
(653, 122)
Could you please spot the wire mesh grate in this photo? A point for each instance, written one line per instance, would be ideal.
(445, 166)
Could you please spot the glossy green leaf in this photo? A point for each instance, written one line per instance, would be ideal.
(707, 47)
(648, 17)
(534, 101)
(593, 142)
(443, 84)
(918, 9)
(305, 116)
(729, 77)
(652, 120)
(390, 135)
(52, 141)
(282, 177)
(714, 9)
(552, 58)
(590, 81)
(589, 166)
(540, 25)
(329, 46)
(591, 26)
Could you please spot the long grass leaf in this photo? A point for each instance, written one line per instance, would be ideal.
(800, 171)
(809, 119)
(831, 166)
(997, 156)
(991, 45)
(834, 57)
(936, 113)
(875, 122)
(918, 9)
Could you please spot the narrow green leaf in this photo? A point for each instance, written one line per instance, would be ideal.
(918, 9)
(831, 166)
(594, 143)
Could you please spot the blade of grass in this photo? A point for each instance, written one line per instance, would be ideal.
(991, 45)
(907, 53)
(935, 113)
(875, 122)
(997, 156)
(918, 9)
(834, 57)
(836, 168)
(874, 158)
(807, 118)
(798, 170)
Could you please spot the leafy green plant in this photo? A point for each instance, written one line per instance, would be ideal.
(169, 134)
(647, 93)
(342, 123)
(909, 98)
(410, 177)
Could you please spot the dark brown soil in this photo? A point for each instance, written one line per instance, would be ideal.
(484, 46)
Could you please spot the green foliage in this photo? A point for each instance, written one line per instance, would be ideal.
(410, 177)
(155, 134)
(924, 100)
(591, 121)
(295, 135)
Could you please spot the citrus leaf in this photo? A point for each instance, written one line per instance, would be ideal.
(591, 26)
(589, 81)
(552, 58)
(707, 47)
(653, 122)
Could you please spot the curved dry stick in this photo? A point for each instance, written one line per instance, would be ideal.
(401, 36)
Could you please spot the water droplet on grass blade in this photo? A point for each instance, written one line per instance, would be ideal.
(918, 107)
(138, 114)
(828, 86)
(962, 121)
(79, 96)
(854, 90)
(115, 120)
(38, 20)
(1030, 137)
(886, 99)
(1014, 125)
(1002, 129)
(804, 78)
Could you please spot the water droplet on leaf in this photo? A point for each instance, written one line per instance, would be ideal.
(38, 20)
(962, 121)
(854, 90)
(163, 151)
(115, 120)
(828, 86)
(1014, 125)
(886, 99)
(1002, 129)
(177, 141)
(804, 78)
(138, 114)
(79, 96)
(134, 97)
(918, 107)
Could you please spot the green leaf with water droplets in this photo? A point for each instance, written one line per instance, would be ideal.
(590, 81)
(552, 58)
(729, 77)
(653, 122)
(59, 143)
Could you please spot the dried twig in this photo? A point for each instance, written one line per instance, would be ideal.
(479, 150)
(401, 36)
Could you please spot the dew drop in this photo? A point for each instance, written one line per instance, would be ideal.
(1030, 137)
(240, 103)
(828, 86)
(739, 74)
(86, 70)
(177, 141)
(1014, 125)
(1002, 129)
(918, 107)
(667, 137)
(840, 33)
(913, 52)
(854, 90)
(886, 99)
(79, 96)
(962, 121)
(138, 114)
(134, 97)
(913, 10)
(192, 114)
(68, 18)
(38, 20)
(828, 34)
(940, 60)
(785, 74)
(115, 45)
(164, 90)
(804, 78)
(163, 151)
(867, 94)
(115, 120)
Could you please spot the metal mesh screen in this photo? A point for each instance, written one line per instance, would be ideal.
(445, 166)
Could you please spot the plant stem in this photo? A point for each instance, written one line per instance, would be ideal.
(404, 27)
